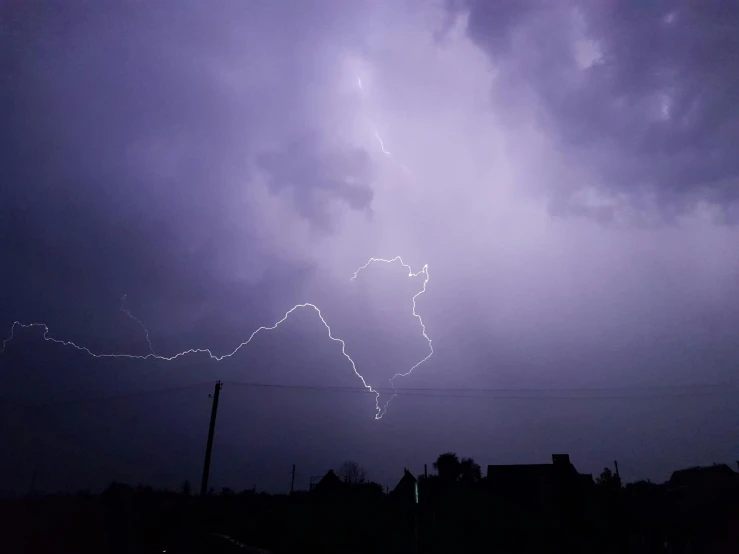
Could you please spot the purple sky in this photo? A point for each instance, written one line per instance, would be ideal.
(566, 169)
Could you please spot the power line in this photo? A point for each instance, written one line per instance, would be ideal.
(568, 393)
(123, 396)
(568, 389)
(512, 393)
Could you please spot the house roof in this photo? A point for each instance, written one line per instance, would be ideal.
(406, 487)
(696, 476)
(330, 481)
(587, 478)
(407, 479)
(533, 473)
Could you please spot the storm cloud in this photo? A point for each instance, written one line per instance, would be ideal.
(643, 94)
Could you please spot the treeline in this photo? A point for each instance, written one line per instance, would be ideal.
(454, 508)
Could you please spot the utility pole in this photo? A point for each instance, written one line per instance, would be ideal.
(615, 463)
(209, 446)
(292, 480)
(426, 471)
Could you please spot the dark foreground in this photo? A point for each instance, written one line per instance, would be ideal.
(694, 513)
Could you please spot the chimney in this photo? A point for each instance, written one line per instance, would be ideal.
(561, 459)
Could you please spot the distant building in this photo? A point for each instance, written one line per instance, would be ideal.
(538, 485)
(703, 506)
(407, 489)
(586, 480)
(329, 485)
(717, 476)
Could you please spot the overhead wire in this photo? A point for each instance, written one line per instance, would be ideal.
(521, 393)
(104, 398)
(563, 393)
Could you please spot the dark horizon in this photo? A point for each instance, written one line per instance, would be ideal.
(458, 505)
(559, 179)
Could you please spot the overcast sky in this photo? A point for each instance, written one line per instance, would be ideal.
(567, 170)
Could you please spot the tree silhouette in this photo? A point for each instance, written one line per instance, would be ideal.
(352, 473)
(469, 471)
(448, 467)
(451, 469)
(608, 480)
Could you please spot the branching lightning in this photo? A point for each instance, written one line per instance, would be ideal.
(152, 355)
(380, 411)
(425, 271)
(136, 319)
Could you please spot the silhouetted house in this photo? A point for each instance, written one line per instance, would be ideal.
(404, 509)
(702, 488)
(703, 509)
(538, 485)
(407, 489)
(717, 476)
(586, 480)
(329, 486)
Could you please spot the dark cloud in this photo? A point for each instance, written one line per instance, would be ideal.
(129, 132)
(642, 93)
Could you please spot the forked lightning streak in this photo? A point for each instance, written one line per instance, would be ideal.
(136, 319)
(380, 411)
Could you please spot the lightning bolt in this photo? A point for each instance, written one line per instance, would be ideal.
(382, 143)
(425, 271)
(379, 411)
(136, 319)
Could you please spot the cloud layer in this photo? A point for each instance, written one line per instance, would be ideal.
(643, 95)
